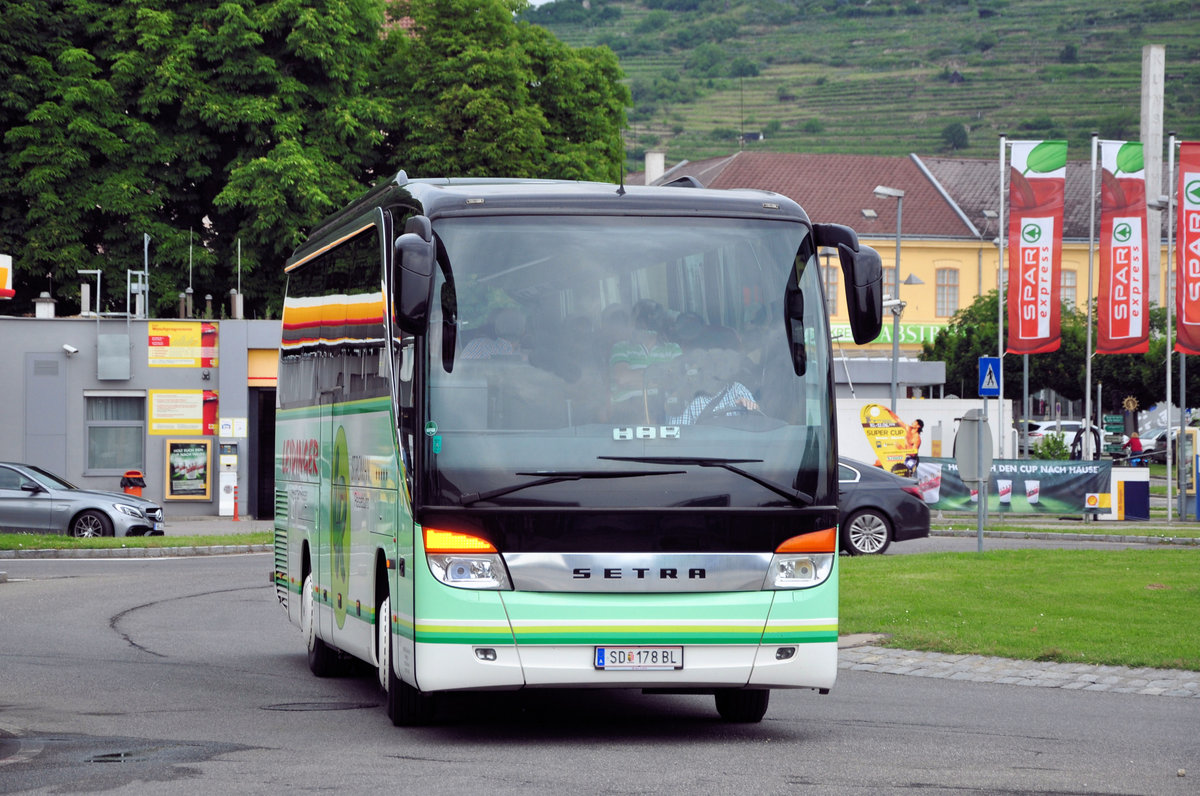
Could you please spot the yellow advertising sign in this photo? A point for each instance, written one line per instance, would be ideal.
(183, 412)
(182, 344)
(891, 438)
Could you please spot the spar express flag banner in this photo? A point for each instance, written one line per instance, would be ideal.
(1037, 177)
(1123, 321)
(1187, 251)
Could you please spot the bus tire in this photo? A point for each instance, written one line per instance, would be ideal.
(406, 706)
(743, 705)
(322, 659)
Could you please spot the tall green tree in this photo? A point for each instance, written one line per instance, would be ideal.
(971, 334)
(197, 124)
(485, 95)
(202, 125)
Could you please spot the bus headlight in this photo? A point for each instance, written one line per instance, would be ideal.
(470, 571)
(464, 560)
(799, 570)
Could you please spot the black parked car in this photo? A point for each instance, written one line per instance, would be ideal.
(876, 508)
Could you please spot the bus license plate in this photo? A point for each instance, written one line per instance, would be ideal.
(639, 658)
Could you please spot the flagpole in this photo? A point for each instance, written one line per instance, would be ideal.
(1087, 393)
(1170, 308)
(1003, 230)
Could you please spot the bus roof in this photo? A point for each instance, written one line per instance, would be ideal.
(458, 196)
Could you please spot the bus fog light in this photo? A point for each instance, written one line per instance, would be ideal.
(469, 571)
(485, 653)
(799, 571)
(785, 653)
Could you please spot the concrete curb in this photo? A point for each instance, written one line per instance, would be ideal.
(1082, 537)
(217, 550)
(141, 552)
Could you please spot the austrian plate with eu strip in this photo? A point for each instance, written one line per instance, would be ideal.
(639, 658)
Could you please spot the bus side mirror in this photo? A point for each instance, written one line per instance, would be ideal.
(863, 273)
(416, 255)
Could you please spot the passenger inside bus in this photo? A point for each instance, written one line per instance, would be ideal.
(709, 389)
(508, 324)
(637, 365)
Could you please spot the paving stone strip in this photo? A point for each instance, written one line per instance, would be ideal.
(856, 655)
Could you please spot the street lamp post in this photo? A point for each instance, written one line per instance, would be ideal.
(884, 192)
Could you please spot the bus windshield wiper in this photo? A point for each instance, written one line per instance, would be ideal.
(557, 476)
(796, 498)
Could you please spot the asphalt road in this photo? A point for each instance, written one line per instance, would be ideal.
(182, 675)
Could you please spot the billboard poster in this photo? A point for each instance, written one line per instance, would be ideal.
(181, 344)
(189, 475)
(183, 412)
(6, 274)
(1187, 251)
(1123, 316)
(891, 439)
(1037, 177)
(1020, 486)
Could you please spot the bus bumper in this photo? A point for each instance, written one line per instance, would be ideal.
(456, 667)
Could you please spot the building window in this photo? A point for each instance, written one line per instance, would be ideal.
(889, 282)
(947, 292)
(116, 434)
(1067, 288)
(830, 274)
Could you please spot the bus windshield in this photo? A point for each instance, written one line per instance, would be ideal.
(593, 361)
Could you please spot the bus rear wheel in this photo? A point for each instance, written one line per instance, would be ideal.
(406, 706)
(742, 705)
(322, 659)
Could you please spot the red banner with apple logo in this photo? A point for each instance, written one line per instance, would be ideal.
(1037, 177)
(1123, 317)
(1187, 251)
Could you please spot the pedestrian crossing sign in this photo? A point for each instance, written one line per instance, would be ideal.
(989, 377)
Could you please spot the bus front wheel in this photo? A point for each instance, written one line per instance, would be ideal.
(742, 705)
(322, 659)
(406, 706)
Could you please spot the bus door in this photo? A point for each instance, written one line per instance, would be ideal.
(403, 574)
(323, 570)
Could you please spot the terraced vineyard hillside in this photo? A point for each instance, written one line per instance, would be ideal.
(886, 76)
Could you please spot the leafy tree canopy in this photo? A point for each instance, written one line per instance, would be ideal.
(202, 125)
(972, 332)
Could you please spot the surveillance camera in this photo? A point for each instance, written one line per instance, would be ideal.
(70, 349)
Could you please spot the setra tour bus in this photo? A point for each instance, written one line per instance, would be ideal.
(549, 434)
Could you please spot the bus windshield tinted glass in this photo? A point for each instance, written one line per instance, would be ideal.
(583, 342)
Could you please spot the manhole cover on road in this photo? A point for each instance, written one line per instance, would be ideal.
(307, 706)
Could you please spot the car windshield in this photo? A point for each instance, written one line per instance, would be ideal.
(47, 478)
(592, 350)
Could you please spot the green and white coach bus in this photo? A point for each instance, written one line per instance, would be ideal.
(544, 434)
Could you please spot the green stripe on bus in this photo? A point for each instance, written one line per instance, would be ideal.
(340, 409)
(639, 638)
(801, 638)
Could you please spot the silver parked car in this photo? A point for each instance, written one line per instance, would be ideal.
(32, 499)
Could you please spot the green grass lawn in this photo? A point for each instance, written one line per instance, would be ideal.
(1128, 608)
(40, 541)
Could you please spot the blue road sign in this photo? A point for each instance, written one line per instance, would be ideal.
(989, 377)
